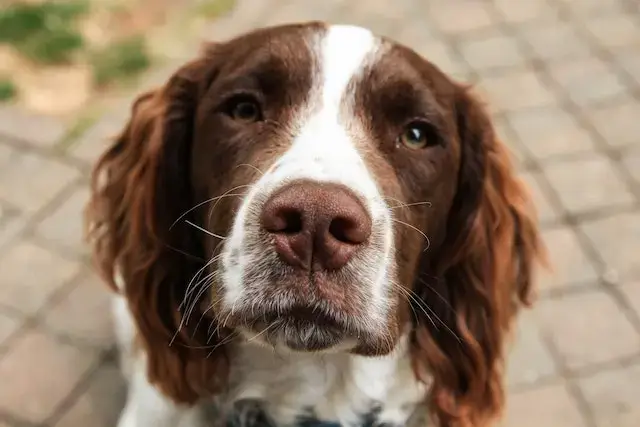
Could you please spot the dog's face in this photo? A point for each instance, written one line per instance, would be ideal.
(331, 160)
(317, 188)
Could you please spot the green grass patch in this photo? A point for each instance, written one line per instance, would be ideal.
(121, 60)
(8, 89)
(215, 8)
(43, 32)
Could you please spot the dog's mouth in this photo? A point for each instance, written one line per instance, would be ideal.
(301, 328)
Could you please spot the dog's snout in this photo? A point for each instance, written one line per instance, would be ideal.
(316, 226)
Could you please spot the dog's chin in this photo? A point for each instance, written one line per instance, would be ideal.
(300, 330)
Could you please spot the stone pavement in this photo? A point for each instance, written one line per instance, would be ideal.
(563, 80)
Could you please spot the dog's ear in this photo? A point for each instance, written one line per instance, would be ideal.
(481, 274)
(141, 185)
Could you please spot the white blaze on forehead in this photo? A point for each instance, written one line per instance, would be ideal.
(323, 149)
(344, 50)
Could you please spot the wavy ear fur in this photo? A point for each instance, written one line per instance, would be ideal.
(483, 272)
(140, 187)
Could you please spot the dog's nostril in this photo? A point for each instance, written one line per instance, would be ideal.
(347, 230)
(292, 222)
(282, 219)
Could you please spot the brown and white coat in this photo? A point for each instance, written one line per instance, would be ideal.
(318, 219)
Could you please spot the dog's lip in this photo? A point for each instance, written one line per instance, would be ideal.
(300, 315)
(301, 328)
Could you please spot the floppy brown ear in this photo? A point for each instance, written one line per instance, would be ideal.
(481, 274)
(140, 187)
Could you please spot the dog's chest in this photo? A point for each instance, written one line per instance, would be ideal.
(332, 389)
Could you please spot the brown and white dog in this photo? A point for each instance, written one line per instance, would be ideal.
(318, 220)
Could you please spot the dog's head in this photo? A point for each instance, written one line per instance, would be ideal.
(317, 188)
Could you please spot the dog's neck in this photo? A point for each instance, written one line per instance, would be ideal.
(323, 389)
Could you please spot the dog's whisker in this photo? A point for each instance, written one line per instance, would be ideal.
(226, 194)
(422, 304)
(224, 341)
(417, 230)
(252, 167)
(205, 202)
(256, 336)
(408, 205)
(190, 285)
(443, 299)
(204, 230)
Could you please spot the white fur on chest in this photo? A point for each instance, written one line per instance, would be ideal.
(335, 387)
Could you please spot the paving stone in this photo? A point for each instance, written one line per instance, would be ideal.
(614, 30)
(515, 89)
(298, 11)
(64, 226)
(570, 265)
(618, 123)
(246, 14)
(8, 326)
(6, 154)
(613, 396)
(632, 161)
(522, 11)
(19, 124)
(508, 137)
(545, 41)
(588, 329)
(100, 405)
(375, 15)
(415, 34)
(589, 183)
(29, 181)
(550, 131)
(631, 292)
(93, 142)
(617, 240)
(529, 359)
(10, 229)
(587, 81)
(441, 55)
(495, 50)
(30, 275)
(6, 214)
(629, 60)
(547, 213)
(38, 374)
(84, 313)
(448, 17)
(548, 406)
(580, 9)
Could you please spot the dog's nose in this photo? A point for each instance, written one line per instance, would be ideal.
(316, 226)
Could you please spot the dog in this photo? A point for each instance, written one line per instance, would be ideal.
(309, 224)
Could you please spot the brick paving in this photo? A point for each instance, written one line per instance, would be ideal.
(563, 80)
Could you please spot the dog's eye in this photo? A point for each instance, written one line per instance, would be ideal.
(244, 109)
(418, 135)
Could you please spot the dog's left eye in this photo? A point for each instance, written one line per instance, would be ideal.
(244, 109)
(418, 135)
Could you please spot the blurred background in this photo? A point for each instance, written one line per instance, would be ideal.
(563, 81)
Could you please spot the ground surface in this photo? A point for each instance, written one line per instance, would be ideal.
(563, 77)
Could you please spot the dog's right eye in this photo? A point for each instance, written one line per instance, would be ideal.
(244, 109)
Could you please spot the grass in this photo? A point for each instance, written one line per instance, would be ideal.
(120, 60)
(215, 8)
(46, 32)
(8, 90)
